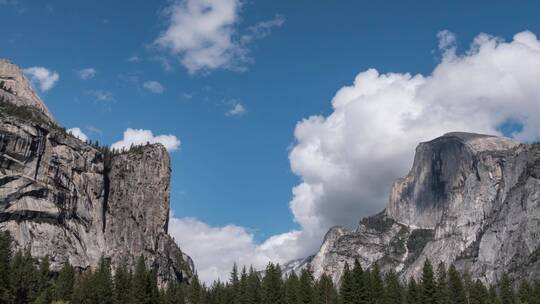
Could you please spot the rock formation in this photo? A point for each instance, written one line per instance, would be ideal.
(470, 200)
(73, 202)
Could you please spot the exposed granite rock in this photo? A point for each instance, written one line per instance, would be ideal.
(63, 198)
(471, 200)
(16, 89)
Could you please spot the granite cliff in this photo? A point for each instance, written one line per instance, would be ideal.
(75, 202)
(470, 200)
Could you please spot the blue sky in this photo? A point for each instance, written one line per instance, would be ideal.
(235, 168)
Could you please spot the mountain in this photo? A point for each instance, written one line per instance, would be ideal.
(470, 200)
(72, 201)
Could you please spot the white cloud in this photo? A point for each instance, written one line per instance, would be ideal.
(87, 73)
(262, 29)
(216, 249)
(204, 34)
(141, 137)
(237, 109)
(348, 159)
(77, 132)
(134, 59)
(42, 77)
(153, 86)
(101, 95)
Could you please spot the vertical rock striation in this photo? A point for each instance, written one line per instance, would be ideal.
(63, 198)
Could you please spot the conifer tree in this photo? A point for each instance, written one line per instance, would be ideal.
(361, 281)
(305, 287)
(44, 285)
(272, 290)
(23, 278)
(478, 293)
(393, 290)
(456, 288)
(377, 285)
(443, 293)
(429, 288)
(235, 285)
(244, 286)
(325, 290)
(506, 290)
(141, 290)
(347, 288)
(253, 287)
(103, 283)
(5, 261)
(525, 293)
(413, 292)
(63, 287)
(291, 288)
(195, 290)
(122, 284)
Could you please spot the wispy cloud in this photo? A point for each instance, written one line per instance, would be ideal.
(236, 109)
(154, 87)
(101, 95)
(77, 132)
(42, 77)
(87, 73)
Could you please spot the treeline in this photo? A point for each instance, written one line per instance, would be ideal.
(24, 279)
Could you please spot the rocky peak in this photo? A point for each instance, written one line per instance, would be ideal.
(16, 89)
(63, 198)
(470, 200)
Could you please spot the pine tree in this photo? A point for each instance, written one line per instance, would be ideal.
(291, 288)
(63, 287)
(44, 284)
(493, 297)
(377, 285)
(525, 293)
(195, 290)
(234, 282)
(122, 284)
(325, 290)
(429, 288)
(244, 286)
(443, 292)
(103, 283)
(173, 294)
(23, 278)
(413, 292)
(393, 290)
(272, 290)
(456, 288)
(141, 285)
(478, 293)
(305, 287)
(253, 287)
(5, 264)
(347, 288)
(83, 292)
(361, 283)
(506, 290)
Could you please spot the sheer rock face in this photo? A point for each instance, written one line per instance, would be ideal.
(469, 199)
(15, 88)
(59, 198)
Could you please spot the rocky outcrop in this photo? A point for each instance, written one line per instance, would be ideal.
(66, 199)
(470, 200)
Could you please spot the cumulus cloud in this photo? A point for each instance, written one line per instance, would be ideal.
(140, 137)
(348, 159)
(204, 34)
(153, 86)
(77, 132)
(87, 73)
(237, 109)
(42, 77)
